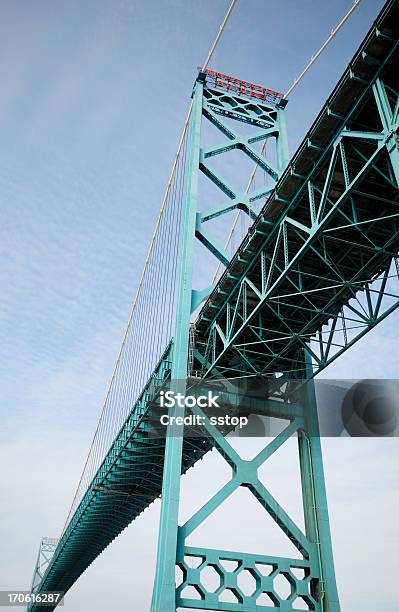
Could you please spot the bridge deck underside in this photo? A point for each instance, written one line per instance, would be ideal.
(128, 481)
(130, 477)
(357, 238)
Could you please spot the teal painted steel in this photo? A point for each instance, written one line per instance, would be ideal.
(320, 241)
(314, 496)
(327, 234)
(164, 588)
(245, 474)
(210, 103)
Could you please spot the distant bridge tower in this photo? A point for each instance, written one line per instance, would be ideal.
(46, 551)
(311, 579)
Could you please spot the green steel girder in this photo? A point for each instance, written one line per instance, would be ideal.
(329, 244)
(264, 570)
(209, 103)
(317, 583)
(262, 114)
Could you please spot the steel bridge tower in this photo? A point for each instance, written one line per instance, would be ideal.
(311, 578)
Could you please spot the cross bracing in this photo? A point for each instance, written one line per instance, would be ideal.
(325, 236)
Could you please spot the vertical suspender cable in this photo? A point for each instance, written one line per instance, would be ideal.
(148, 257)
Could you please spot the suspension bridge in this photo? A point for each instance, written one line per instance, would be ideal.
(316, 269)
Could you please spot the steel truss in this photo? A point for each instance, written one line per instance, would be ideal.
(310, 577)
(265, 115)
(315, 273)
(317, 584)
(327, 272)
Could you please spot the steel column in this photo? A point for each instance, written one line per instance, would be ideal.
(164, 596)
(314, 495)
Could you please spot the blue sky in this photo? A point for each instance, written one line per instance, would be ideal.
(92, 101)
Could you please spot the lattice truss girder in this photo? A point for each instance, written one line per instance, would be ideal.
(206, 579)
(328, 272)
(269, 118)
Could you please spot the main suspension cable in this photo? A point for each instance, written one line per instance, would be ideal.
(291, 88)
(315, 57)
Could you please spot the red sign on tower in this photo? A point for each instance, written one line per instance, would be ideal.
(243, 88)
